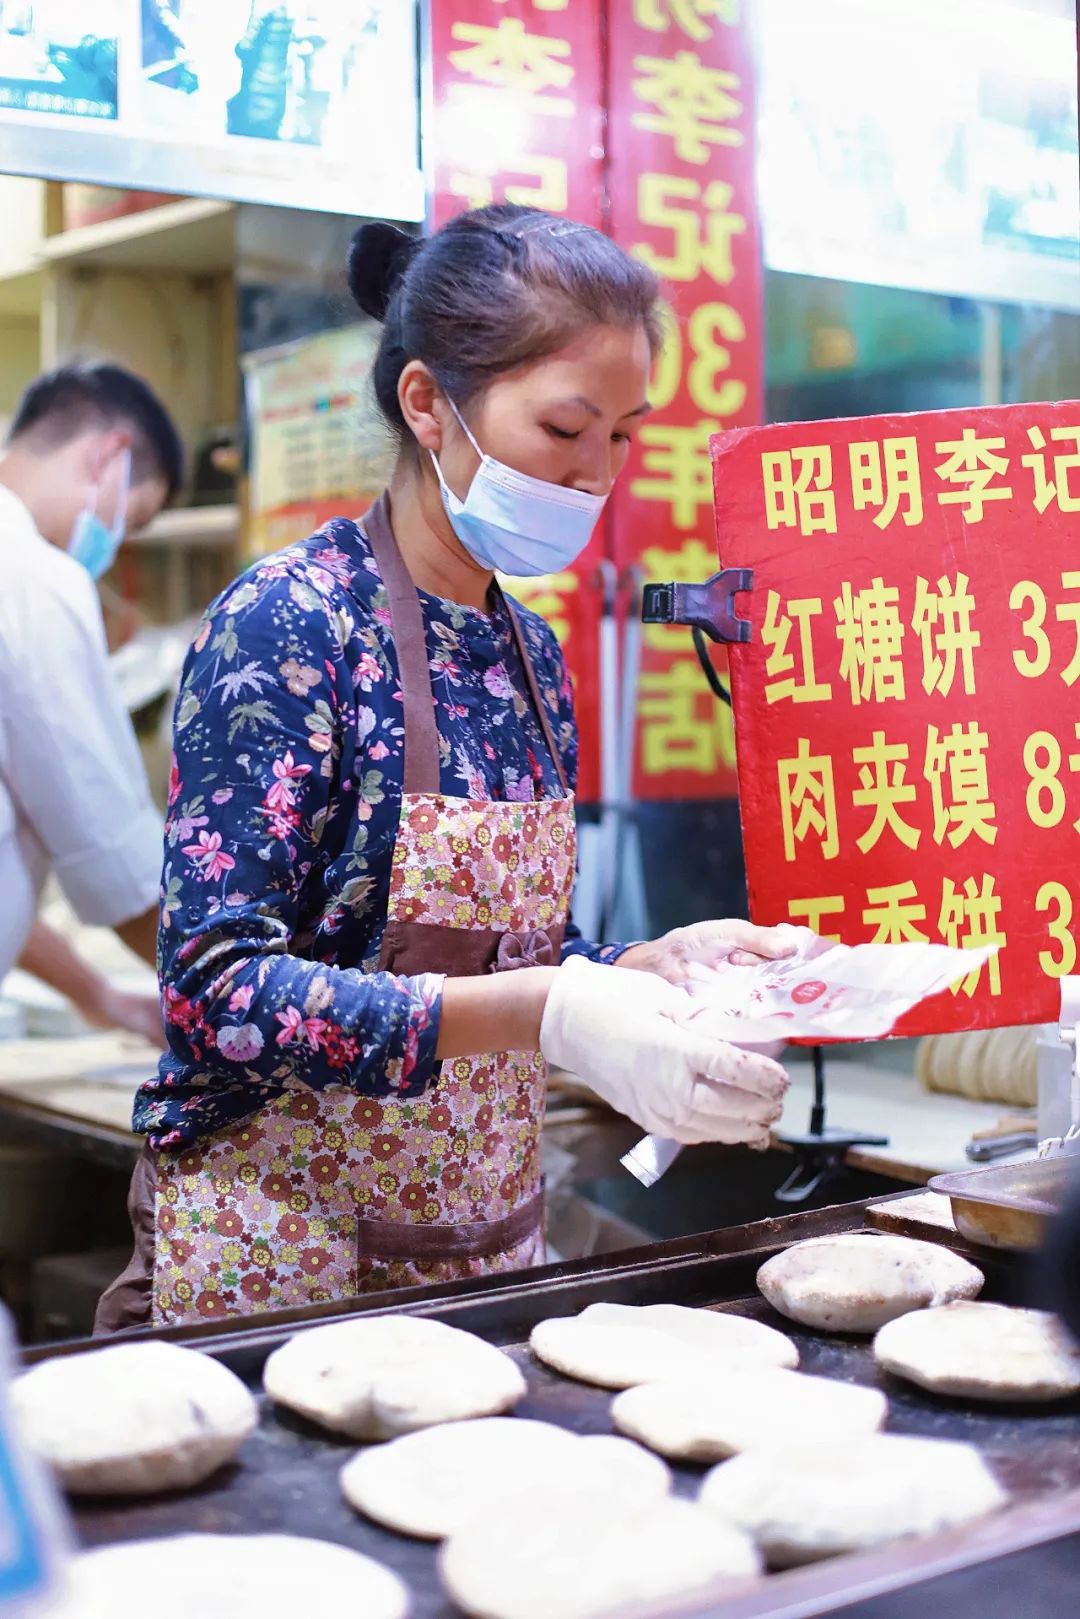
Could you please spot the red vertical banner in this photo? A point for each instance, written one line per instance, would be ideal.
(517, 115)
(680, 166)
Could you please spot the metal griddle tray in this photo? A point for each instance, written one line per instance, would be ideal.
(286, 1479)
(1008, 1205)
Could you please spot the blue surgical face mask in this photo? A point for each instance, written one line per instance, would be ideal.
(94, 542)
(516, 524)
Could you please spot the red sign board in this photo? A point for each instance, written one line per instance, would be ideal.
(517, 115)
(680, 155)
(908, 710)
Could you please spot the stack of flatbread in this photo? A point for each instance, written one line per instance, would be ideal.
(986, 1065)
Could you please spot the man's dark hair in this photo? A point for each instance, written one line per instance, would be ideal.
(63, 403)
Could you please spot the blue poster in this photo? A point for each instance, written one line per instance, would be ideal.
(60, 57)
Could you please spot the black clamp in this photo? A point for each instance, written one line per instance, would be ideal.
(708, 609)
(819, 1159)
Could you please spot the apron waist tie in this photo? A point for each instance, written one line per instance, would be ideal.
(391, 1239)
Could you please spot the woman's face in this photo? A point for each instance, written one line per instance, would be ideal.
(568, 418)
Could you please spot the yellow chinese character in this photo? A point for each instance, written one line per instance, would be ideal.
(871, 634)
(679, 458)
(687, 15)
(959, 758)
(810, 913)
(884, 766)
(873, 484)
(551, 190)
(808, 801)
(804, 499)
(894, 913)
(710, 389)
(1057, 488)
(970, 460)
(942, 621)
(510, 58)
(683, 727)
(692, 562)
(1069, 613)
(702, 223)
(780, 664)
(548, 597)
(970, 917)
(694, 103)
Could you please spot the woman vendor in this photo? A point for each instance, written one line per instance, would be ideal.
(370, 843)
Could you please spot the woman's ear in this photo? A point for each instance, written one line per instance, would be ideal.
(423, 405)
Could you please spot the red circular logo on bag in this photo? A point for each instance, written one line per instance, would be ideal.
(812, 990)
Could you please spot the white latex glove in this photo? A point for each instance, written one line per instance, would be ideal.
(624, 1035)
(676, 955)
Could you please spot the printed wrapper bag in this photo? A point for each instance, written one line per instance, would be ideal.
(823, 992)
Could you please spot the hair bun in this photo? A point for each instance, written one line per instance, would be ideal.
(378, 257)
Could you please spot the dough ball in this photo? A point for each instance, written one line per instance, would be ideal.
(982, 1351)
(618, 1346)
(388, 1375)
(705, 1422)
(579, 1557)
(857, 1281)
(428, 1484)
(229, 1577)
(804, 1501)
(133, 1419)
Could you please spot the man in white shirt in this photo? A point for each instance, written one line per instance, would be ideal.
(92, 454)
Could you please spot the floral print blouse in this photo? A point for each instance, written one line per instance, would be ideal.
(284, 799)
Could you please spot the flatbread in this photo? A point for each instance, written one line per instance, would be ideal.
(574, 1557)
(981, 1351)
(429, 1484)
(388, 1375)
(133, 1419)
(229, 1577)
(731, 1340)
(801, 1502)
(856, 1281)
(618, 1346)
(707, 1421)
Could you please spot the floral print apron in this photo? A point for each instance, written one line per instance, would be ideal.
(324, 1194)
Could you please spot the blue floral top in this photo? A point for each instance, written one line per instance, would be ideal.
(284, 799)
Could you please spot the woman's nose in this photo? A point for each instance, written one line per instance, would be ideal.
(597, 476)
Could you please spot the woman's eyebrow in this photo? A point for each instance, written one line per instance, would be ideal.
(594, 410)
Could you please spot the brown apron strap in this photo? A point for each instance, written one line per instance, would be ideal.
(421, 773)
(392, 1239)
(127, 1302)
(538, 701)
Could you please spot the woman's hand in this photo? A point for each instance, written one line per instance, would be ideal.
(630, 1042)
(706, 944)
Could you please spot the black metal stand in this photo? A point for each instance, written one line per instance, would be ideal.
(820, 1152)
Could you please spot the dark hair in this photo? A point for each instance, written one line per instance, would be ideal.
(63, 403)
(494, 289)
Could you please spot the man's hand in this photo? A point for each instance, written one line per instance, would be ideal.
(48, 956)
(135, 1014)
